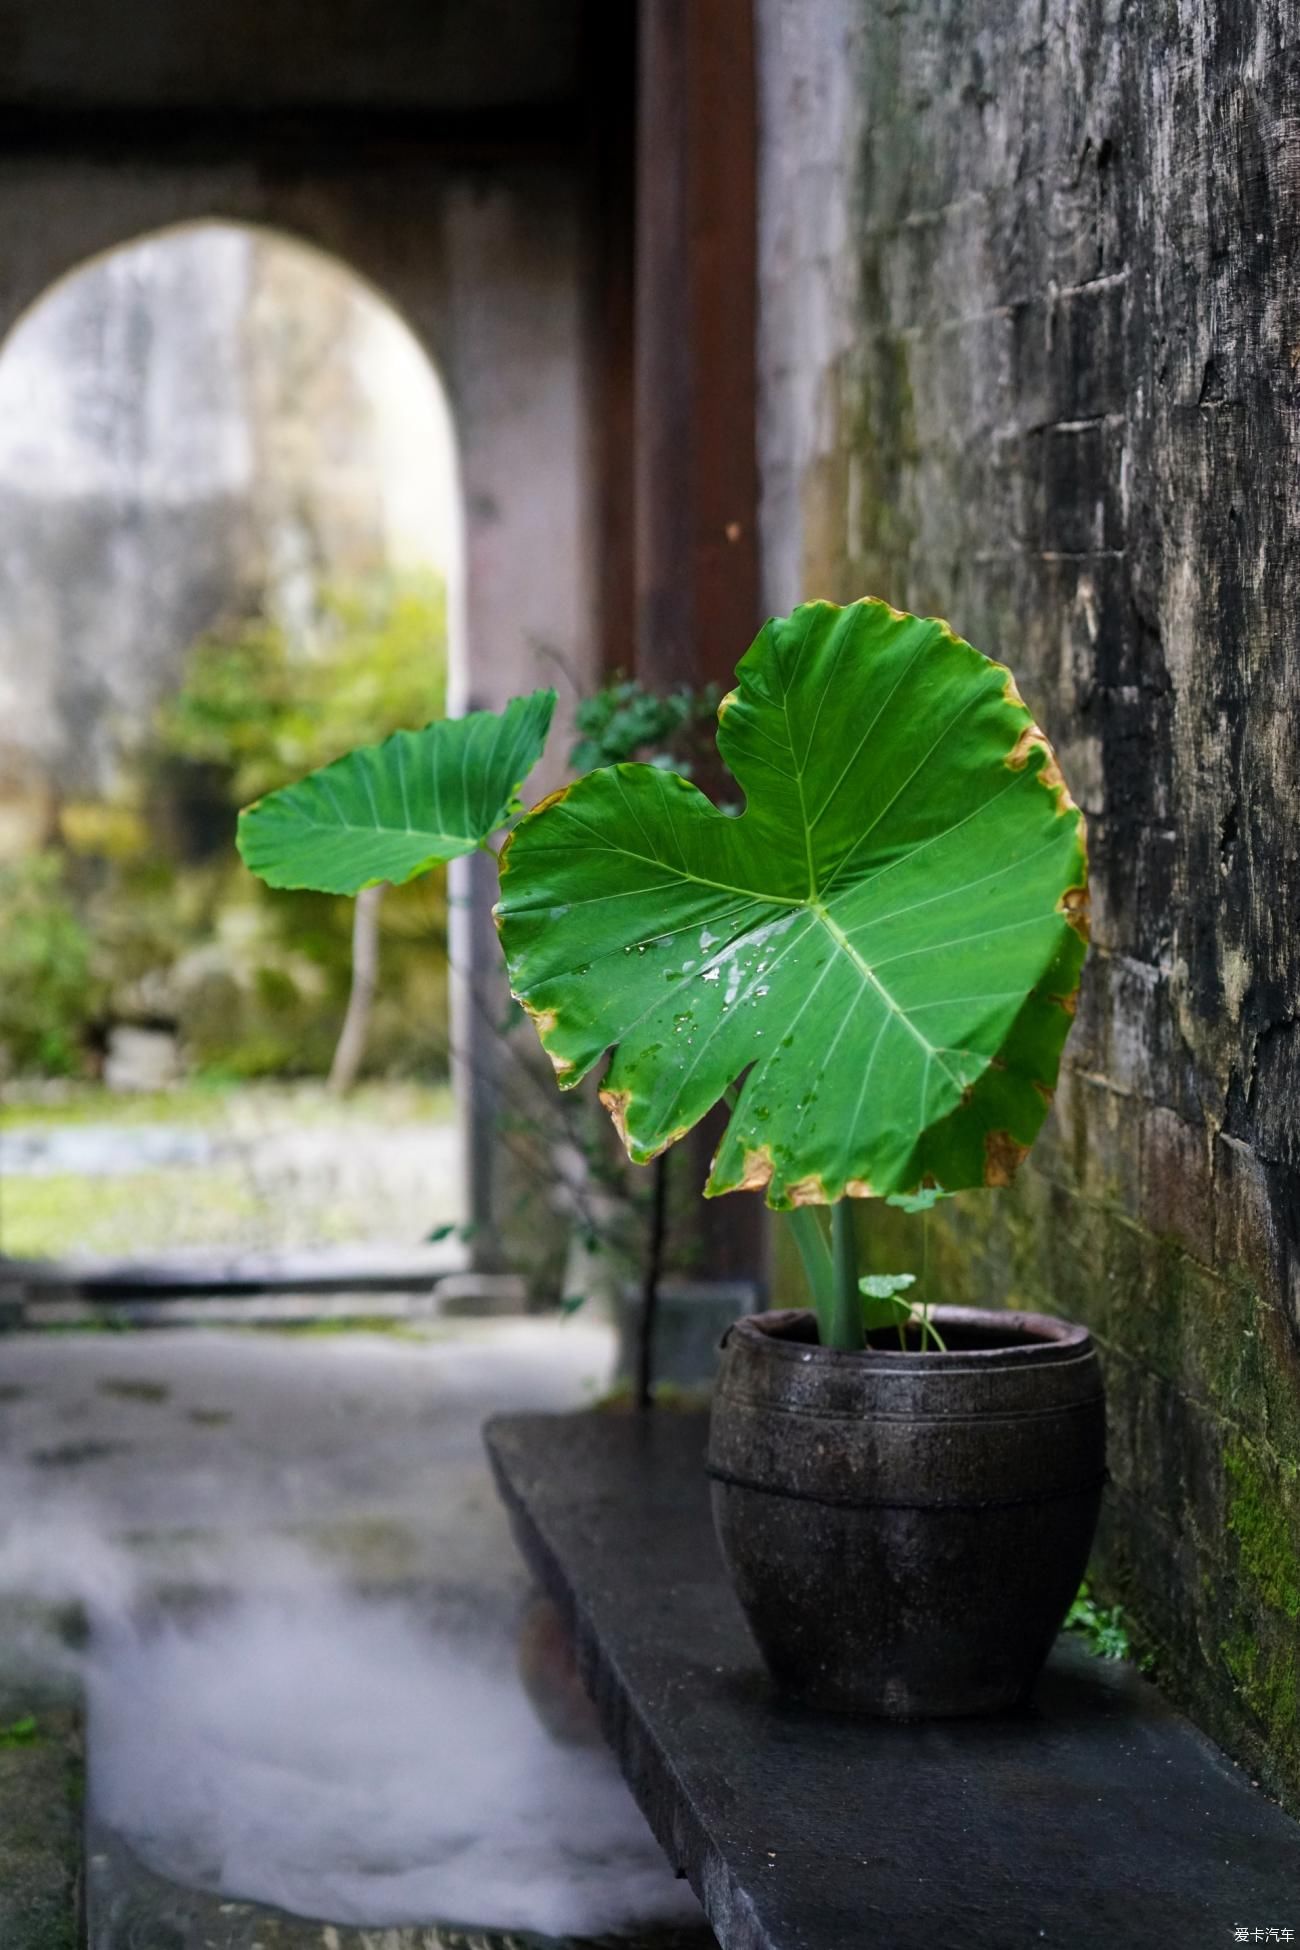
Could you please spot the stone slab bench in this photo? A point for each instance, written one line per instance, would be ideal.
(1097, 1818)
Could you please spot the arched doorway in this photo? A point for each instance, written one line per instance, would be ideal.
(231, 526)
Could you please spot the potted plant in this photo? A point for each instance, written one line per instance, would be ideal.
(875, 964)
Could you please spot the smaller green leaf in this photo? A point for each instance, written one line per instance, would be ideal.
(883, 1286)
(881, 1302)
(393, 810)
(916, 1201)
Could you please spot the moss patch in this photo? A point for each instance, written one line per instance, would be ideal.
(1262, 1519)
(135, 1391)
(23, 1732)
(1268, 1680)
(40, 1828)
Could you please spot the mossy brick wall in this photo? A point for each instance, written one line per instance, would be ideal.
(1030, 350)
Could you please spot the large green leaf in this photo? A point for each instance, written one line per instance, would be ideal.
(887, 940)
(391, 811)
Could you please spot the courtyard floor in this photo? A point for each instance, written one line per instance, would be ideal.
(304, 1603)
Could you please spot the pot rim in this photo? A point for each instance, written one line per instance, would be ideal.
(1048, 1339)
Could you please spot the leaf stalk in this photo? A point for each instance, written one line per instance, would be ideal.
(842, 1327)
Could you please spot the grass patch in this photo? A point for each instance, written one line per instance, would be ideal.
(396, 1328)
(21, 1733)
(45, 1218)
(214, 1101)
(135, 1391)
(74, 1104)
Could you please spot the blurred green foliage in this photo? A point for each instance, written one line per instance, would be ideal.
(145, 913)
(263, 706)
(626, 721)
(47, 995)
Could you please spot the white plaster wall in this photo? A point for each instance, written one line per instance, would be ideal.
(519, 380)
(206, 417)
(810, 55)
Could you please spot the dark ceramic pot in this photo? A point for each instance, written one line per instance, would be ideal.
(906, 1531)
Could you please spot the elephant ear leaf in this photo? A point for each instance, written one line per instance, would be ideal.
(885, 945)
(393, 810)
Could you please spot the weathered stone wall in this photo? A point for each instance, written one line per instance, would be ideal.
(1030, 336)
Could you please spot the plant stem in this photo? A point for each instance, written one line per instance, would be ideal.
(650, 1285)
(814, 1250)
(925, 1276)
(845, 1322)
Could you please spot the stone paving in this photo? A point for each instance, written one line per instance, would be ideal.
(211, 1463)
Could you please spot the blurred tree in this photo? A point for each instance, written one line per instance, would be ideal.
(260, 705)
(264, 705)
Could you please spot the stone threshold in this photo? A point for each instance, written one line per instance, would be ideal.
(203, 1270)
(394, 1284)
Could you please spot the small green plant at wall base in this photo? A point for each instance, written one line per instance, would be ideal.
(874, 963)
(1101, 1627)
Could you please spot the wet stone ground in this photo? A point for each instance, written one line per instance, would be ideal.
(328, 1495)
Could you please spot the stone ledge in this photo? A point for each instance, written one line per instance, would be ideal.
(1098, 1818)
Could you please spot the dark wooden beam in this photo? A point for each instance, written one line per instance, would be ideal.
(609, 40)
(327, 139)
(696, 304)
(697, 588)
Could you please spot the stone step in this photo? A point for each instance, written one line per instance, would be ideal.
(360, 1268)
